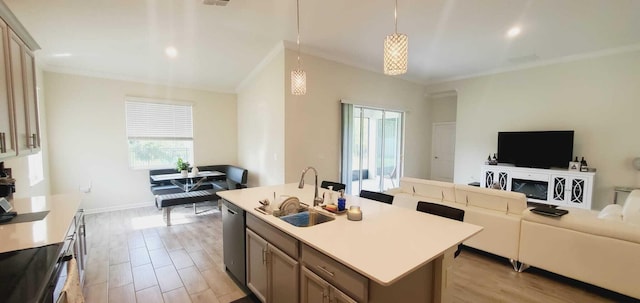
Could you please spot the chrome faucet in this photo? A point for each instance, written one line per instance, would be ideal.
(316, 199)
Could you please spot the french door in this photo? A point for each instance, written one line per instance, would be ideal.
(371, 148)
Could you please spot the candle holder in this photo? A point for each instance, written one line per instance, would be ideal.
(354, 213)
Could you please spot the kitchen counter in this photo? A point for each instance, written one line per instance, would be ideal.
(387, 245)
(50, 230)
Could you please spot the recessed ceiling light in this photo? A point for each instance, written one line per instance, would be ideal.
(513, 32)
(59, 55)
(171, 52)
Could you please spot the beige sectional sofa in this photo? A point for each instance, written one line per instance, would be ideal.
(579, 245)
(584, 247)
(499, 212)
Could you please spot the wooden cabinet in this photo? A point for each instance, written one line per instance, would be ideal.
(316, 290)
(271, 274)
(23, 95)
(7, 142)
(257, 265)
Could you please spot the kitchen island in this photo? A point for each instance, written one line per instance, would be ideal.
(403, 255)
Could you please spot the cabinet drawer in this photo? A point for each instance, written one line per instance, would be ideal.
(340, 276)
(281, 240)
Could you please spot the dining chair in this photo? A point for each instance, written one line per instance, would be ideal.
(380, 197)
(336, 186)
(442, 211)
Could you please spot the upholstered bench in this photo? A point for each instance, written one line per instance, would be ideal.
(166, 202)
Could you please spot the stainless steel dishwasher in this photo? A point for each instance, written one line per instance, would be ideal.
(233, 240)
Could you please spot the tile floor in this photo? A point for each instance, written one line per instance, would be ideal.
(134, 257)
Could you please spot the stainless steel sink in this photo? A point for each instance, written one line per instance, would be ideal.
(307, 218)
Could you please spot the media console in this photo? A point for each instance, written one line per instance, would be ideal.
(549, 186)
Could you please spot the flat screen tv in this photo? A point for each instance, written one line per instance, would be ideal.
(538, 149)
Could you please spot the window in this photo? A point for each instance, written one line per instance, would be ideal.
(159, 132)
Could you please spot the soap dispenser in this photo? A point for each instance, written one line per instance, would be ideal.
(342, 201)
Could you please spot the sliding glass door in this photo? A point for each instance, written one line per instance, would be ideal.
(371, 148)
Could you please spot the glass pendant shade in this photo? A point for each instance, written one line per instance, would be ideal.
(298, 82)
(396, 49)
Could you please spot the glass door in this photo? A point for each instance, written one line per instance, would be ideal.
(372, 148)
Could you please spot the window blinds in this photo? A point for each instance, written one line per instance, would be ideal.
(146, 120)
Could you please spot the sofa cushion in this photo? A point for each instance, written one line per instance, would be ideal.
(631, 209)
(433, 190)
(586, 221)
(611, 212)
(493, 199)
(409, 201)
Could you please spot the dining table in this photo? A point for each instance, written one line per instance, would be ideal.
(186, 182)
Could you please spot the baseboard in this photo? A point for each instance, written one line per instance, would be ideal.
(117, 207)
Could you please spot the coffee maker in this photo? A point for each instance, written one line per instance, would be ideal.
(7, 184)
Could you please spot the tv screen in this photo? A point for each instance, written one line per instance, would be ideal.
(538, 149)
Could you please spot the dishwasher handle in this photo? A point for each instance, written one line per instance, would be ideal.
(231, 211)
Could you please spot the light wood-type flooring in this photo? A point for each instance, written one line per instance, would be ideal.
(134, 257)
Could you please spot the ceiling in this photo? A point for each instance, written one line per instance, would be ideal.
(219, 46)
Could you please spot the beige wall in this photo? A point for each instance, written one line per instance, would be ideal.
(20, 165)
(313, 121)
(443, 108)
(86, 124)
(261, 124)
(598, 98)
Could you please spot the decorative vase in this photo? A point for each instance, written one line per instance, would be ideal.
(184, 173)
(195, 171)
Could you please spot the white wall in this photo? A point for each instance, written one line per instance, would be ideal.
(598, 98)
(87, 137)
(20, 165)
(261, 123)
(313, 121)
(444, 108)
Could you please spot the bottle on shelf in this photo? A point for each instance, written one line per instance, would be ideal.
(583, 165)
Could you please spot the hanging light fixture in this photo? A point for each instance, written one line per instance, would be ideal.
(396, 48)
(298, 76)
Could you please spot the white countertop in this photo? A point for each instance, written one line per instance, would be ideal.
(52, 229)
(389, 243)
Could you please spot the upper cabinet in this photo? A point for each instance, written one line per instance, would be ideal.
(7, 142)
(19, 117)
(23, 89)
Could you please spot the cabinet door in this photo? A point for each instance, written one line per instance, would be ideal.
(7, 144)
(313, 288)
(339, 297)
(578, 192)
(17, 92)
(31, 100)
(559, 192)
(257, 265)
(283, 277)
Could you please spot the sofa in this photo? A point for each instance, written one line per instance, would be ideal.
(599, 248)
(586, 246)
(498, 212)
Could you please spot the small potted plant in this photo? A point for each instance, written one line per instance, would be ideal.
(183, 167)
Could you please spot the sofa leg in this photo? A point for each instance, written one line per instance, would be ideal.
(515, 264)
(523, 267)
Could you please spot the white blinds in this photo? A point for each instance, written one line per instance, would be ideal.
(147, 119)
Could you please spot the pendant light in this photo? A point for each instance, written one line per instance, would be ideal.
(396, 48)
(298, 76)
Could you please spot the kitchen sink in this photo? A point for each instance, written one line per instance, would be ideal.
(307, 218)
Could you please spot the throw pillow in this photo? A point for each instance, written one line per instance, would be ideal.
(631, 209)
(611, 212)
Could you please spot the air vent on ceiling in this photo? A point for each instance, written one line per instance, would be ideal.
(216, 2)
